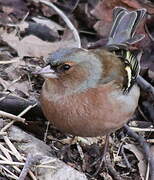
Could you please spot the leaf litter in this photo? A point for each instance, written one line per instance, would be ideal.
(30, 51)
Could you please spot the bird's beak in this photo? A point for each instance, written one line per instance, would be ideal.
(46, 72)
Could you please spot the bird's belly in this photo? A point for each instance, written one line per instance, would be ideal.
(94, 115)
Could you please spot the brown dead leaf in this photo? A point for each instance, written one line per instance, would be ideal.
(13, 71)
(34, 47)
(15, 8)
(14, 83)
(140, 157)
(49, 23)
(15, 79)
(19, 87)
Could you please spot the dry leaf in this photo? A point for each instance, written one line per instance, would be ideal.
(139, 155)
(49, 23)
(34, 47)
(17, 8)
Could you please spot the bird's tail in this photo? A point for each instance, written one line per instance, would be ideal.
(124, 27)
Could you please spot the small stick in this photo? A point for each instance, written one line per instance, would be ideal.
(150, 141)
(12, 83)
(8, 157)
(3, 133)
(5, 152)
(11, 163)
(142, 129)
(81, 155)
(13, 176)
(7, 126)
(11, 61)
(46, 131)
(13, 149)
(30, 161)
(27, 109)
(140, 139)
(148, 33)
(142, 114)
(115, 175)
(18, 117)
(11, 116)
(32, 175)
(145, 147)
(146, 86)
(6, 162)
(125, 158)
(147, 172)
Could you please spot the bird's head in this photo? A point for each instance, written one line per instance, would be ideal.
(74, 69)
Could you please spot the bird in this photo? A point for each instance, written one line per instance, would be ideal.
(93, 92)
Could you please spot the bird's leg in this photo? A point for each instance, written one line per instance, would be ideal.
(102, 158)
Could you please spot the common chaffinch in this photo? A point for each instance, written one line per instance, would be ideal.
(93, 92)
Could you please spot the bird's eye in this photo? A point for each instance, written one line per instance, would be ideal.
(66, 67)
(63, 68)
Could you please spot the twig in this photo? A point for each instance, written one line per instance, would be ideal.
(150, 141)
(148, 33)
(142, 114)
(27, 109)
(7, 126)
(11, 116)
(45, 161)
(33, 177)
(30, 161)
(45, 166)
(5, 152)
(8, 157)
(14, 60)
(147, 87)
(13, 149)
(140, 139)
(141, 129)
(16, 117)
(5, 96)
(67, 21)
(46, 131)
(115, 175)
(6, 162)
(12, 175)
(81, 155)
(3, 133)
(147, 172)
(125, 158)
(145, 147)
(11, 84)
